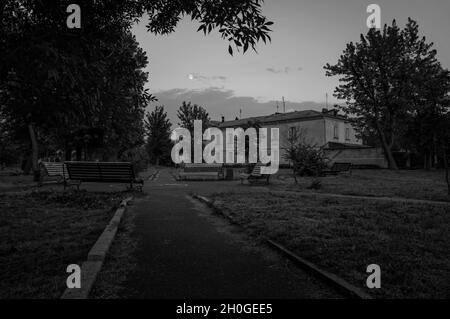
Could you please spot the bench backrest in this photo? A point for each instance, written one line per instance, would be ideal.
(194, 168)
(341, 167)
(100, 171)
(256, 172)
(55, 169)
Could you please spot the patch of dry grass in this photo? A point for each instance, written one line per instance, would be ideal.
(120, 261)
(409, 242)
(41, 233)
(420, 184)
(8, 182)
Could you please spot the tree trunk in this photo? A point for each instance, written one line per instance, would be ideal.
(67, 151)
(428, 160)
(79, 151)
(294, 171)
(408, 160)
(34, 153)
(446, 169)
(435, 163)
(387, 150)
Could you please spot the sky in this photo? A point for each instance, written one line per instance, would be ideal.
(307, 34)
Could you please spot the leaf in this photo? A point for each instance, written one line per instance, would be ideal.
(230, 50)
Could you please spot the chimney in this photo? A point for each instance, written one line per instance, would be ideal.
(324, 111)
(223, 119)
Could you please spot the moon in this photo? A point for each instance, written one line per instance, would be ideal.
(191, 77)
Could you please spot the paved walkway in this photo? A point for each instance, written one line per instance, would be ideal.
(185, 251)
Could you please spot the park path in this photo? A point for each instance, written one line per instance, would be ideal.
(185, 251)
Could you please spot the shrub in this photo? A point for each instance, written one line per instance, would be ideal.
(138, 157)
(307, 158)
(316, 184)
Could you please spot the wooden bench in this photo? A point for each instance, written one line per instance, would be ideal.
(53, 169)
(202, 172)
(338, 168)
(56, 169)
(255, 176)
(102, 172)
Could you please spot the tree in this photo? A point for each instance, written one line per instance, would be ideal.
(380, 76)
(54, 80)
(430, 103)
(443, 129)
(8, 150)
(158, 130)
(307, 158)
(62, 80)
(188, 113)
(239, 22)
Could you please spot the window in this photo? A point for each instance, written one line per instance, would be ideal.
(347, 134)
(292, 132)
(336, 132)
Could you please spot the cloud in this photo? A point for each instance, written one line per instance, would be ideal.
(285, 70)
(278, 71)
(219, 101)
(206, 79)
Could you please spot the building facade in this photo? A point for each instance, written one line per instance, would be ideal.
(325, 129)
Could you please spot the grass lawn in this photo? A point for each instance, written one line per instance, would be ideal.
(420, 184)
(120, 261)
(41, 233)
(409, 242)
(8, 182)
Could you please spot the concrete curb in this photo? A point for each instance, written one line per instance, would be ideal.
(332, 279)
(326, 276)
(96, 256)
(211, 205)
(153, 176)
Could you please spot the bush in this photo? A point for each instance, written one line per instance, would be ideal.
(138, 157)
(307, 158)
(315, 185)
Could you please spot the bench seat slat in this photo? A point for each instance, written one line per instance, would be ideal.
(102, 172)
(255, 175)
(202, 171)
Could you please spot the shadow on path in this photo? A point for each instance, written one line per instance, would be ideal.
(185, 251)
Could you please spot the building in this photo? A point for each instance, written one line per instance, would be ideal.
(326, 129)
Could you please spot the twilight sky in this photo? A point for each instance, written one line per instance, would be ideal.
(307, 34)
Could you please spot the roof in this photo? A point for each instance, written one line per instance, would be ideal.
(279, 117)
(340, 146)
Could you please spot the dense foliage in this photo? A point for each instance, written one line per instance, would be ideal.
(306, 158)
(188, 113)
(158, 130)
(394, 88)
(57, 83)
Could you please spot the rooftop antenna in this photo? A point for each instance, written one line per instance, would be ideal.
(277, 107)
(240, 113)
(284, 106)
(326, 95)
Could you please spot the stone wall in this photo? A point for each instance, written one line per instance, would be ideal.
(370, 156)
